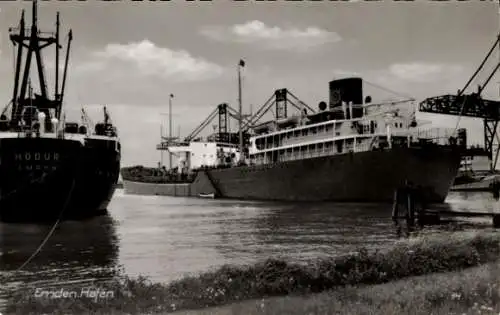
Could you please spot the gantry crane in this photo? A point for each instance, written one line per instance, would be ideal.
(472, 105)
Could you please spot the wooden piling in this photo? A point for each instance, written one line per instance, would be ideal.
(495, 189)
(410, 197)
(414, 201)
(395, 213)
(496, 221)
(410, 206)
(404, 196)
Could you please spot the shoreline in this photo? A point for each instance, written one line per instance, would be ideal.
(273, 278)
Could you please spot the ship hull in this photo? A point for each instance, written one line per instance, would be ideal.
(370, 176)
(45, 179)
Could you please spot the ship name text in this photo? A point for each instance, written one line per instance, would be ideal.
(36, 156)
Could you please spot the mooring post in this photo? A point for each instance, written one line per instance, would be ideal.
(420, 215)
(395, 212)
(395, 208)
(410, 196)
(495, 187)
(496, 221)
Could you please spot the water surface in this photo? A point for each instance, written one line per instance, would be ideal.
(165, 238)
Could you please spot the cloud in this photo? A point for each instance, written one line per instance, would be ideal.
(409, 80)
(144, 58)
(273, 38)
(424, 72)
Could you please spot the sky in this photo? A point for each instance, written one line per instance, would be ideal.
(130, 56)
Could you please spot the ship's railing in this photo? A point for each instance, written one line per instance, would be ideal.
(438, 135)
(301, 139)
(317, 150)
(319, 133)
(327, 131)
(296, 155)
(166, 145)
(15, 30)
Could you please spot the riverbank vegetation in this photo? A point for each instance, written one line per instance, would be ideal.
(363, 280)
(474, 290)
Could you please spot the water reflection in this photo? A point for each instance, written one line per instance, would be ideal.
(303, 232)
(76, 252)
(473, 202)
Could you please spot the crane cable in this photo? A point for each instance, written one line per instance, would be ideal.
(386, 89)
(497, 42)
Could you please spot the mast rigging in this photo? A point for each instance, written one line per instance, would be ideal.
(34, 41)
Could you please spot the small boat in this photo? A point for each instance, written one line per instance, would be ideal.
(210, 196)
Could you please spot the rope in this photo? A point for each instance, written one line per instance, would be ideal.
(459, 116)
(52, 229)
(6, 107)
(66, 203)
(386, 89)
(14, 58)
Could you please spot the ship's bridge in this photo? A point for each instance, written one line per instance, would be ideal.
(198, 154)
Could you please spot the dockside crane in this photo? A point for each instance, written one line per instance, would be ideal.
(472, 105)
(223, 112)
(280, 100)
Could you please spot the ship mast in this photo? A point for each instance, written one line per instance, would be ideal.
(34, 41)
(56, 85)
(240, 111)
(170, 129)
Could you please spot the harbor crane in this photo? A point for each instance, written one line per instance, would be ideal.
(281, 99)
(472, 105)
(224, 112)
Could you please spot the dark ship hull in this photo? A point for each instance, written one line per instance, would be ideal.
(43, 179)
(370, 176)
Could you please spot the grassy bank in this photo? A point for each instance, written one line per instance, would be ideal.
(474, 290)
(442, 252)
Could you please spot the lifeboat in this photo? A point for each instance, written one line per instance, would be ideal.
(288, 122)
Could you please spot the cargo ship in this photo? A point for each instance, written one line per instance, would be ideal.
(51, 168)
(349, 150)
